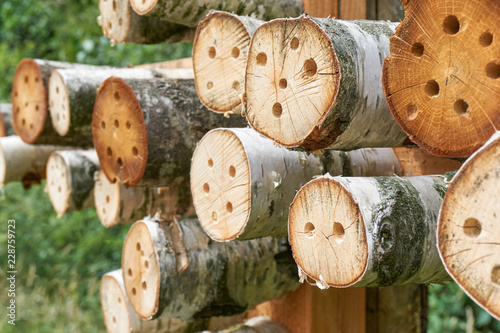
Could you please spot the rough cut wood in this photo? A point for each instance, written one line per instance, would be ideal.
(191, 12)
(72, 93)
(315, 83)
(70, 179)
(468, 230)
(441, 77)
(220, 52)
(6, 128)
(122, 25)
(371, 231)
(21, 162)
(145, 131)
(30, 102)
(119, 316)
(175, 270)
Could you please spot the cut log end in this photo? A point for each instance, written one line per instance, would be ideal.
(143, 7)
(468, 229)
(114, 306)
(107, 200)
(59, 104)
(29, 102)
(442, 76)
(119, 132)
(219, 60)
(141, 272)
(58, 184)
(220, 184)
(115, 19)
(291, 83)
(337, 241)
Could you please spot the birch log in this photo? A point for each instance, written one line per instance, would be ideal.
(6, 128)
(191, 12)
(468, 230)
(175, 270)
(121, 24)
(30, 102)
(372, 231)
(315, 83)
(72, 93)
(21, 162)
(243, 183)
(441, 78)
(220, 52)
(70, 179)
(119, 316)
(145, 131)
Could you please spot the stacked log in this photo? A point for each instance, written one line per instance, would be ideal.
(468, 230)
(70, 179)
(6, 128)
(441, 77)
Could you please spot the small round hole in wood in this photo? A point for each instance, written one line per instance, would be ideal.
(229, 207)
(119, 299)
(235, 52)
(495, 275)
(117, 123)
(134, 292)
(144, 285)
(210, 85)
(23, 121)
(26, 79)
(294, 44)
(128, 125)
(114, 320)
(103, 124)
(460, 107)
(59, 189)
(119, 162)
(277, 110)
(283, 84)
(129, 272)
(114, 5)
(236, 85)
(120, 21)
(211, 52)
(110, 26)
(261, 59)
(107, 199)
(109, 151)
(472, 227)
(451, 25)
(210, 162)
(412, 111)
(37, 107)
(135, 151)
(232, 171)
(493, 70)
(146, 264)
(138, 246)
(309, 230)
(338, 233)
(117, 96)
(432, 88)
(310, 67)
(486, 39)
(206, 188)
(417, 49)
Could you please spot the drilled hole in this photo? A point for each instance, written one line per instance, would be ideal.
(37, 79)
(119, 299)
(486, 39)
(107, 199)
(31, 126)
(114, 5)
(103, 124)
(59, 189)
(294, 44)
(411, 111)
(432, 88)
(210, 85)
(495, 275)
(114, 320)
(232, 171)
(37, 107)
(117, 123)
(119, 162)
(144, 285)
(417, 49)
(309, 229)
(135, 151)
(493, 70)
(283, 83)
(310, 67)
(206, 188)
(210, 162)
(235, 52)
(338, 233)
(472, 227)
(211, 52)
(138, 246)
(146, 264)
(104, 210)
(229, 207)
(460, 107)
(236, 85)
(120, 21)
(277, 110)
(23, 121)
(261, 59)
(26, 78)
(18, 109)
(110, 25)
(129, 272)
(57, 117)
(451, 25)
(128, 125)
(142, 253)
(109, 151)
(134, 292)
(15, 94)
(117, 96)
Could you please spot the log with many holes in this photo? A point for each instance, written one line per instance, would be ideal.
(243, 183)
(220, 52)
(30, 102)
(70, 179)
(72, 93)
(468, 230)
(441, 78)
(21, 162)
(119, 316)
(315, 83)
(122, 25)
(191, 12)
(175, 270)
(372, 231)
(6, 128)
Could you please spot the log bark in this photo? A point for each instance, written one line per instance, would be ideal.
(259, 324)
(220, 52)
(70, 179)
(119, 316)
(21, 162)
(72, 93)
(373, 232)
(190, 13)
(441, 77)
(315, 83)
(122, 25)
(468, 230)
(145, 131)
(30, 102)
(175, 270)
(6, 128)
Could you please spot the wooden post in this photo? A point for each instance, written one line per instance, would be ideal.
(468, 230)
(175, 270)
(367, 231)
(220, 52)
(6, 128)
(70, 179)
(317, 84)
(441, 77)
